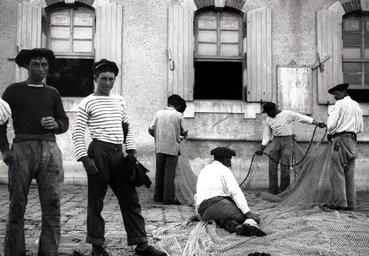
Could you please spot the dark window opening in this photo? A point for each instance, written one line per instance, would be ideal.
(218, 80)
(72, 77)
(359, 95)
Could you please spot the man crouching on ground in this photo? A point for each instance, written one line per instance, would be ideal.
(105, 115)
(219, 198)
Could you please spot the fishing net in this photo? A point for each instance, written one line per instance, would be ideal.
(294, 220)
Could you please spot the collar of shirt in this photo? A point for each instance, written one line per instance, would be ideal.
(35, 85)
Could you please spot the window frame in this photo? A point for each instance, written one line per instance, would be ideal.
(71, 9)
(241, 33)
(364, 17)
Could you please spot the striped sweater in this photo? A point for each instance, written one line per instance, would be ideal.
(281, 124)
(103, 115)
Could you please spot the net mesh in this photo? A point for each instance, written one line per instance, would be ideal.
(294, 221)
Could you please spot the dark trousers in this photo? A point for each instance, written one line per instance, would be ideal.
(281, 151)
(108, 158)
(224, 212)
(343, 173)
(164, 177)
(41, 160)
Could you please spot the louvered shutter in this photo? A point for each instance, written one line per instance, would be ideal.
(28, 32)
(259, 55)
(180, 51)
(329, 44)
(109, 37)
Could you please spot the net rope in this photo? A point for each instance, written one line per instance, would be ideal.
(294, 220)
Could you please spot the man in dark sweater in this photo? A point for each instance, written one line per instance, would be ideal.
(38, 115)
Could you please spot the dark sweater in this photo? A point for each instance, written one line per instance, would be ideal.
(29, 105)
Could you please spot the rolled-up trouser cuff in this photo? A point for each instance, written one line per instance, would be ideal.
(138, 240)
(95, 241)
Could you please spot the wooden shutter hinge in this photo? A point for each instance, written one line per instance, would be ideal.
(171, 61)
(320, 63)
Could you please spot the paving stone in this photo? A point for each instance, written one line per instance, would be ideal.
(74, 213)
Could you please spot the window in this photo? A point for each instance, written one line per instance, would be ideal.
(218, 55)
(70, 35)
(355, 33)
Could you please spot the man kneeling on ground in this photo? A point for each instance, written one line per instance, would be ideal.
(219, 198)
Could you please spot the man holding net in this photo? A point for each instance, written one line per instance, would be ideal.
(344, 123)
(219, 198)
(278, 125)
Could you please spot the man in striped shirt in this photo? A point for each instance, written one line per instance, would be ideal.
(278, 125)
(344, 123)
(105, 115)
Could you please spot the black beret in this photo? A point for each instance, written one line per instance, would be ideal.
(105, 65)
(223, 152)
(269, 106)
(343, 86)
(25, 55)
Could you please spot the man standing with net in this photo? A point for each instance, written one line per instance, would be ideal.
(278, 125)
(344, 123)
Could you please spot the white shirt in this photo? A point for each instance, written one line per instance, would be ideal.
(5, 112)
(168, 127)
(281, 124)
(346, 116)
(217, 180)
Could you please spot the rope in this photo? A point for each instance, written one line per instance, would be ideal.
(286, 165)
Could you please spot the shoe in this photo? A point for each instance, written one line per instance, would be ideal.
(150, 251)
(99, 251)
(248, 230)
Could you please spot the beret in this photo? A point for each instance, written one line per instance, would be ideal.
(105, 65)
(25, 55)
(343, 86)
(223, 152)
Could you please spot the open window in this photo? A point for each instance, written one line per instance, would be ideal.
(218, 54)
(70, 34)
(355, 35)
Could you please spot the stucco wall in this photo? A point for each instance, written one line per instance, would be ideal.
(145, 80)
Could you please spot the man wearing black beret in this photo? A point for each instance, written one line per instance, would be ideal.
(219, 198)
(38, 115)
(105, 115)
(344, 123)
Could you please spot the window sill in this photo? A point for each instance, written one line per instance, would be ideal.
(222, 106)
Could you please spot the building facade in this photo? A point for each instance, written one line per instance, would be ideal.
(225, 57)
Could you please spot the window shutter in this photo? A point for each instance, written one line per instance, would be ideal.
(329, 45)
(28, 32)
(180, 51)
(109, 37)
(259, 55)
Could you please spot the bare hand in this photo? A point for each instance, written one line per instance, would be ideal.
(89, 165)
(49, 123)
(8, 157)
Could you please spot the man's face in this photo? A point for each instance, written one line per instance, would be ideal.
(339, 94)
(38, 69)
(105, 82)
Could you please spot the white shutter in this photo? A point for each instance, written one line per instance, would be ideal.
(180, 51)
(259, 55)
(329, 44)
(109, 38)
(28, 32)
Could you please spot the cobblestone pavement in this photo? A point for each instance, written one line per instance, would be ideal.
(74, 219)
(74, 206)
